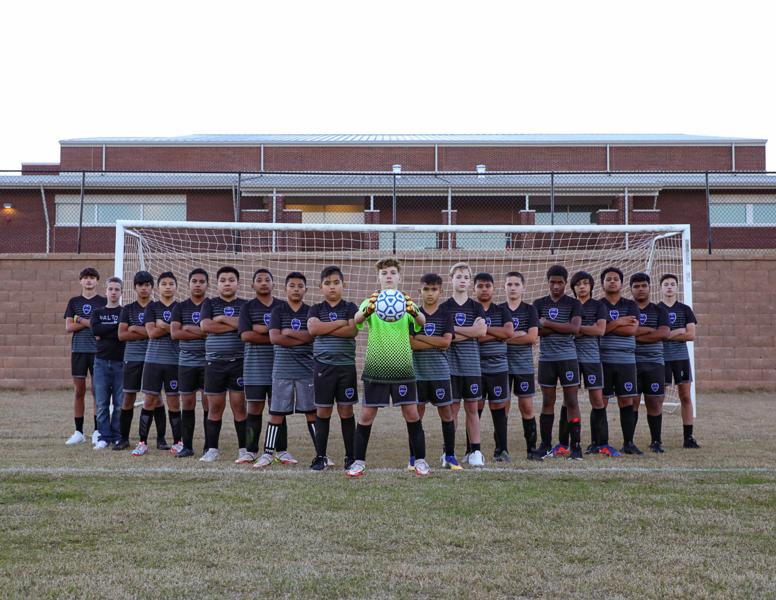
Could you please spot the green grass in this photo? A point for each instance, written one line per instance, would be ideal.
(80, 523)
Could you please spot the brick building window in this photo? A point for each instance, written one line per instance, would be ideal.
(724, 214)
(103, 210)
(329, 213)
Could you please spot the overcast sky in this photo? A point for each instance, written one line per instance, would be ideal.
(83, 69)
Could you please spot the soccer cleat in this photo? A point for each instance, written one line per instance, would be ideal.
(609, 451)
(476, 459)
(356, 469)
(691, 442)
(141, 449)
(656, 447)
(265, 460)
(465, 458)
(211, 455)
(631, 448)
(161, 444)
(244, 457)
(544, 451)
(101, 445)
(329, 462)
(175, 448)
(591, 449)
(184, 453)
(285, 458)
(575, 455)
(561, 451)
(347, 462)
(411, 464)
(319, 464)
(95, 437)
(76, 438)
(421, 468)
(536, 454)
(451, 462)
(121, 445)
(502, 456)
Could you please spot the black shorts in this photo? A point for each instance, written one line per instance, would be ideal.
(466, 387)
(552, 371)
(81, 364)
(678, 371)
(133, 377)
(378, 394)
(223, 375)
(156, 377)
(651, 378)
(258, 393)
(592, 374)
(439, 392)
(191, 379)
(332, 382)
(523, 384)
(495, 387)
(619, 380)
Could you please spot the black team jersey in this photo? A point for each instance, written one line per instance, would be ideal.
(558, 346)
(291, 362)
(223, 346)
(464, 357)
(431, 364)
(105, 326)
(619, 349)
(679, 316)
(134, 314)
(162, 350)
(652, 315)
(493, 354)
(191, 352)
(83, 340)
(588, 350)
(259, 358)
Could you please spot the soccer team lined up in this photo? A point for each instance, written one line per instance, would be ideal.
(296, 358)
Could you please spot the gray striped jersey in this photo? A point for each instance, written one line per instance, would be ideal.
(679, 316)
(493, 354)
(618, 349)
(83, 340)
(652, 315)
(587, 345)
(259, 358)
(330, 349)
(192, 352)
(520, 356)
(464, 357)
(223, 346)
(294, 362)
(558, 346)
(134, 314)
(162, 350)
(431, 364)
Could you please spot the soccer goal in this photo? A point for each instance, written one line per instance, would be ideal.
(158, 246)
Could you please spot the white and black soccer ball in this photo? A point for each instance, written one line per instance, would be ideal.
(390, 305)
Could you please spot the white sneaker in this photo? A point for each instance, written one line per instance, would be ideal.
(285, 458)
(421, 468)
(476, 459)
(211, 455)
(465, 457)
(95, 437)
(101, 445)
(76, 438)
(329, 463)
(265, 460)
(244, 457)
(175, 448)
(140, 449)
(356, 469)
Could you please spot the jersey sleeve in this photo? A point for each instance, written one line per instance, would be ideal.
(480, 312)
(314, 312)
(70, 309)
(506, 316)
(150, 313)
(351, 311)
(600, 312)
(533, 317)
(275, 319)
(176, 314)
(244, 322)
(538, 304)
(207, 309)
(689, 315)
(576, 309)
(449, 323)
(362, 307)
(124, 317)
(633, 309)
(662, 316)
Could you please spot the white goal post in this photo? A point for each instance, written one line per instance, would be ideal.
(180, 246)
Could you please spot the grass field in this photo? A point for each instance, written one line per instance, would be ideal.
(75, 522)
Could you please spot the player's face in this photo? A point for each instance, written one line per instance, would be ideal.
(113, 292)
(89, 283)
(640, 291)
(668, 288)
(389, 278)
(582, 289)
(197, 286)
(167, 287)
(484, 291)
(262, 284)
(143, 291)
(430, 293)
(227, 285)
(514, 288)
(295, 290)
(461, 280)
(332, 288)
(612, 282)
(557, 286)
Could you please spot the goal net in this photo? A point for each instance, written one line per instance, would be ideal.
(181, 246)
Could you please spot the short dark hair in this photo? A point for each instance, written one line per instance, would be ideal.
(638, 278)
(166, 275)
(228, 269)
(611, 270)
(143, 277)
(431, 279)
(332, 270)
(581, 276)
(89, 272)
(262, 270)
(558, 271)
(483, 277)
(115, 280)
(199, 271)
(669, 276)
(296, 275)
(517, 274)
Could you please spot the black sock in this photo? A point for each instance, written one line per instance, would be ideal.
(602, 427)
(348, 426)
(95, 423)
(281, 441)
(311, 430)
(188, 423)
(468, 443)
(563, 427)
(545, 428)
(418, 436)
(175, 425)
(204, 427)
(529, 433)
(213, 433)
(500, 428)
(322, 435)
(239, 427)
(146, 416)
(626, 424)
(271, 437)
(361, 441)
(687, 431)
(160, 420)
(79, 424)
(409, 442)
(593, 428)
(635, 419)
(575, 433)
(655, 426)
(476, 447)
(125, 422)
(448, 437)
(252, 433)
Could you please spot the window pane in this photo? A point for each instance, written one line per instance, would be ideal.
(764, 214)
(481, 241)
(408, 241)
(67, 214)
(108, 214)
(728, 214)
(164, 212)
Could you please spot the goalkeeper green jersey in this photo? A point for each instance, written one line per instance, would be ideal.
(388, 352)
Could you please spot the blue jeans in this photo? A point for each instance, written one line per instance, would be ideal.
(108, 382)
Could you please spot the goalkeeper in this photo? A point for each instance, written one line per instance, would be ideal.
(388, 372)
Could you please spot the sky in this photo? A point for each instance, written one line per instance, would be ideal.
(88, 69)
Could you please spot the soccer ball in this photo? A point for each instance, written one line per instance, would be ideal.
(390, 305)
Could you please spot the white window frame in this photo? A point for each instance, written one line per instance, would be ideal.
(749, 215)
(107, 199)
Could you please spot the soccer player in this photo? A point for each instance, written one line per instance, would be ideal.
(493, 361)
(82, 347)
(224, 351)
(432, 371)
(682, 323)
(618, 353)
(650, 370)
(388, 372)
(464, 358)
(160, 370)
(334, 366)
(292, 369)
(590, 369)
(560, 318)
(525, 323)
(185, 329)
(108, 365)
(132, 331)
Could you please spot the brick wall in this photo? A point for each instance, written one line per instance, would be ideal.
(733, 350)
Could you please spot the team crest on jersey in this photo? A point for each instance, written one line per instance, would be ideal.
(672, 317)
(349, 393)
(553, 313)
(87, 309)
(474, 388)
(332, 316)
(642, 318)
(591, 379)
(497, 391)
(628, 386)
(614, 315)
(195, 316)
(460, 319)
(440, 393)
(488, 321)
(429, 328)
(266, 319)
(655, 387)
(167, 315)
(229, 311)
(141, 317)
(296, 324)
(240, 381)
(402, 390)
(173, 384)
(524, 386)
(515, 322)
(115, 318)
(569, 375)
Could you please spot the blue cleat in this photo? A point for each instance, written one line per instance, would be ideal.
(609, 451)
